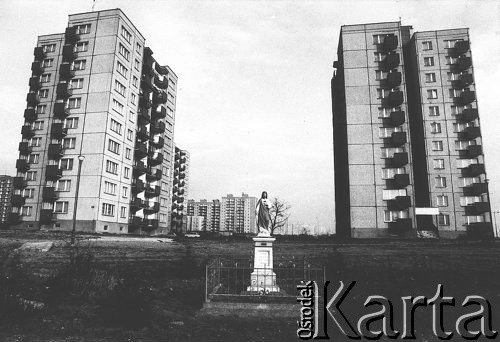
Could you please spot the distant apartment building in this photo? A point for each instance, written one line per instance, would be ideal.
(180, 189)
(238, 214)
(210, 211)
(97, 97)
(194, 223)
(5, 198)
(407, 137)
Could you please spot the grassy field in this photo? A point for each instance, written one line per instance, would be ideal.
(152, 291)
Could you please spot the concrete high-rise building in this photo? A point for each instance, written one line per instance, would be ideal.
(97, 97)
(209, 210)
(5, 198)
(407, 140)
(238, 214)
(180, 189)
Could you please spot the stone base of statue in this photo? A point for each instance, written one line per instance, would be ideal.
(263, 278)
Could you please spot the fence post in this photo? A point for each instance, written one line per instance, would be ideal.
(206, 283)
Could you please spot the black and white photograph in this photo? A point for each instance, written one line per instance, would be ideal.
(249, 170)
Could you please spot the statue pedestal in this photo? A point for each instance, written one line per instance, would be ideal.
(263, 279)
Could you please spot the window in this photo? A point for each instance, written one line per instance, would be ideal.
(116, 126)
(443, 220)
(427, 46)
(450, 60)
(40, 109)
(164, 186)
(63, 185)
(440, 182)
(450, 43)
(71, 123)
(38, 125)
(382, 93)
(133, 99)
(391, 194)
(117, 106)
(113, 146)
(35, 141)
(438, 164)
(109, 188)
(83, 29)
(43, 93)
(45, 78)
(126, 34)
(30, 176)
(455, 93)
(61, 207)
(78, 65)
(135, 80)
(81, 47)
(428, 61)
(33, 158)
(138, 48)
(76, 83)
(69, 143)
(128, 153)
(456, 110)
(137, 65)
(26, 210)
(451, 76)
(163, 202)
(432, 94)
(442, 201)
(126, 172)
(111, 167)
(124, 52)
(433, 110)
(125, 192)
(130, 134)
(131, 116)
(121, 69)
(108, 209)
(430, 77)
(47, 63)
(378, 38)
(380, 75)
(49, 48)
(28, 193)
(66, 164)
(437, 145)
(435, 127)
(123, 213)
(120, 88)
(73, 103)
(378, 56)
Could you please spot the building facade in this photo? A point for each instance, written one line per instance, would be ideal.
(100, 103)
(209, 210)
(238, 214)
(407, 142)
(180, 189)
(5, 198)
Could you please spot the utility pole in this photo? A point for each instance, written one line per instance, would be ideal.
(73, 231)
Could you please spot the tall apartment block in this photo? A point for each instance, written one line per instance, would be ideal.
(5, 198)
(100, 101)
(407, 139)
(210, 211)
(238, 214)
(180, 188)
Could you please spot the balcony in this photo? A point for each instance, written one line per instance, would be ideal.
(150, 224)
(70, 36)
(147, 67)
(468, 114)
(467, 97)
(135, 221)
(390, 43)
(460, 48)
(141, 150)
(34, 83)
(391, 61)
(22, 165)
(14, 218)
(19, 183)
(152, 191)
(396, 139)
(479, 229)
(60, 111)
(39, 53)
(162, 84)
(69, 53)
(137, 204)
(17, 201)
(139, 168)
(472, 151)
(147, 82)
(159, 97)
(461, 64)
(399, 181)
(36, 68)
(153, 174)
(156, 160)
(62, 90)
(463, 81)
(24, 148)
(158, 143)
(49, 194)
(159, 127)
(469, 133)
(398, 160)
(142, 133)
(46, 216)
(477, 208)
(395, 119)
(144, 102)
(399, 203)
(394, 99)
(53, 172)
(159, 113)
(182, 176)
(476, 189)
(400, 226)
(65, 71)
(57, 130)
(27, 131)
(161, 69)
(473, 170)
(393, 80)
(33, 99)
(55, 151)
(30, 114)
(151, 207)
(137, 185)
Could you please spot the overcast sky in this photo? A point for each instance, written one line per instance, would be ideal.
(254, 106)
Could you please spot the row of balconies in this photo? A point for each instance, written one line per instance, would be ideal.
(459, 48)
(467, 115)
(461, 64)
(463, 81)
(469, 133)
(389, 44)
(46, 216)
(149, 207)
(60, 111)
(465, 97)
(179, 207)
(143, 223)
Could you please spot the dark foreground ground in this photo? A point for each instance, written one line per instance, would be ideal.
(153, 291)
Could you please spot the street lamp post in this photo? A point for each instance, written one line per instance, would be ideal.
(73, 231)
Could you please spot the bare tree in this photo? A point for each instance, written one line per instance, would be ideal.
(279, 211)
